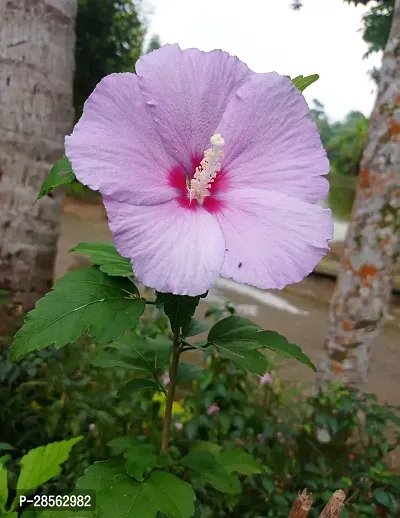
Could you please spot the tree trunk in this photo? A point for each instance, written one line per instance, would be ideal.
(360, 301)
(37, 41)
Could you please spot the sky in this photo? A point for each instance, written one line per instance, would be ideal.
(268, 35)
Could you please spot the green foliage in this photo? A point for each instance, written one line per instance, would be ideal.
(36, 467)
(194, 327)
(60, 174)
(109, 38)
(160, 491)
(84, 300)
(178, 308)
(188, 372)
(41, 464)
(241, 341)
(106, 257)
(3, 488)
(206, 468)
(302, 82)
(140, 458)
(345, 143)
(376, 25)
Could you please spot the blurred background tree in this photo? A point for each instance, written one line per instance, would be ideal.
(109, 38)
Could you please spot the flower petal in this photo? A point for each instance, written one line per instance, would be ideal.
(115, 148)
(270, 141)
(187, 92)
(272, 239)
(173, 249)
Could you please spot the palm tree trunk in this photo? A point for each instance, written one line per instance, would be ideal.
(37, 40)
(372, 247)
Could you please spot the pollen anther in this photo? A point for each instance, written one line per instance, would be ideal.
(207, 171)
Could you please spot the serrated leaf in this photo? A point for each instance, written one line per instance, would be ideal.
(60, 174)
(121, 444)
(137, 385)
(195, 327)
(140, 354)
(164, 492)
(188, 372)
(239, 461)
(42, 464)
(206, 467)
(100, 474)
(106, 256)
(140, 458)
(85, 300)
(280, 345)
(302, 82)
(238, 338)
(3, 488)
(178, 308)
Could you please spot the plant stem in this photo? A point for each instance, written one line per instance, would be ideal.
(173, 371)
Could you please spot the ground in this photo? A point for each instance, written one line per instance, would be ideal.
(299, 312)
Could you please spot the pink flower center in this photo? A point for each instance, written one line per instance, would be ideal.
(200, 186)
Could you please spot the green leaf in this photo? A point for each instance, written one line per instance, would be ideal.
(60, 174)
(137, 385)
(84, 300)
(3, 488)
(131, 352)
(252, 360)
(239, 461)
(238, 338)
(280, 345)
(231, 328)
(188, 372)
(5, 446)
(4, 459)
(106, 256)
(121, 444)
(140, 458)
(383, 497)
(41, 464)
(208, 469)
(100, 474)
(195, 327)
(302, 82)
(207, 446)
(127, 498)
(178, 308)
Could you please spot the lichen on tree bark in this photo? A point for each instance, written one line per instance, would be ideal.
(360, 301)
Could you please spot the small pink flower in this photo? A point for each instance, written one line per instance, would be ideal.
(196, 145)
(213, 409)
(179, 426)
(165, 378)
(91, 427)
(267, 378)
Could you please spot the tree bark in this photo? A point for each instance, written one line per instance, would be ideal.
(37, 41)
(360, 301)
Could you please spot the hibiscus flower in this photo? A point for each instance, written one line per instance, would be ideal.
(206, 169)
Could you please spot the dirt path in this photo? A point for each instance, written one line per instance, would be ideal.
(300, 312)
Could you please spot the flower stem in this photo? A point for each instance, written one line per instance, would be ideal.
(173, 372)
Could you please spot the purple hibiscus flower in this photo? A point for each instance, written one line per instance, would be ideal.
(206, 169)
